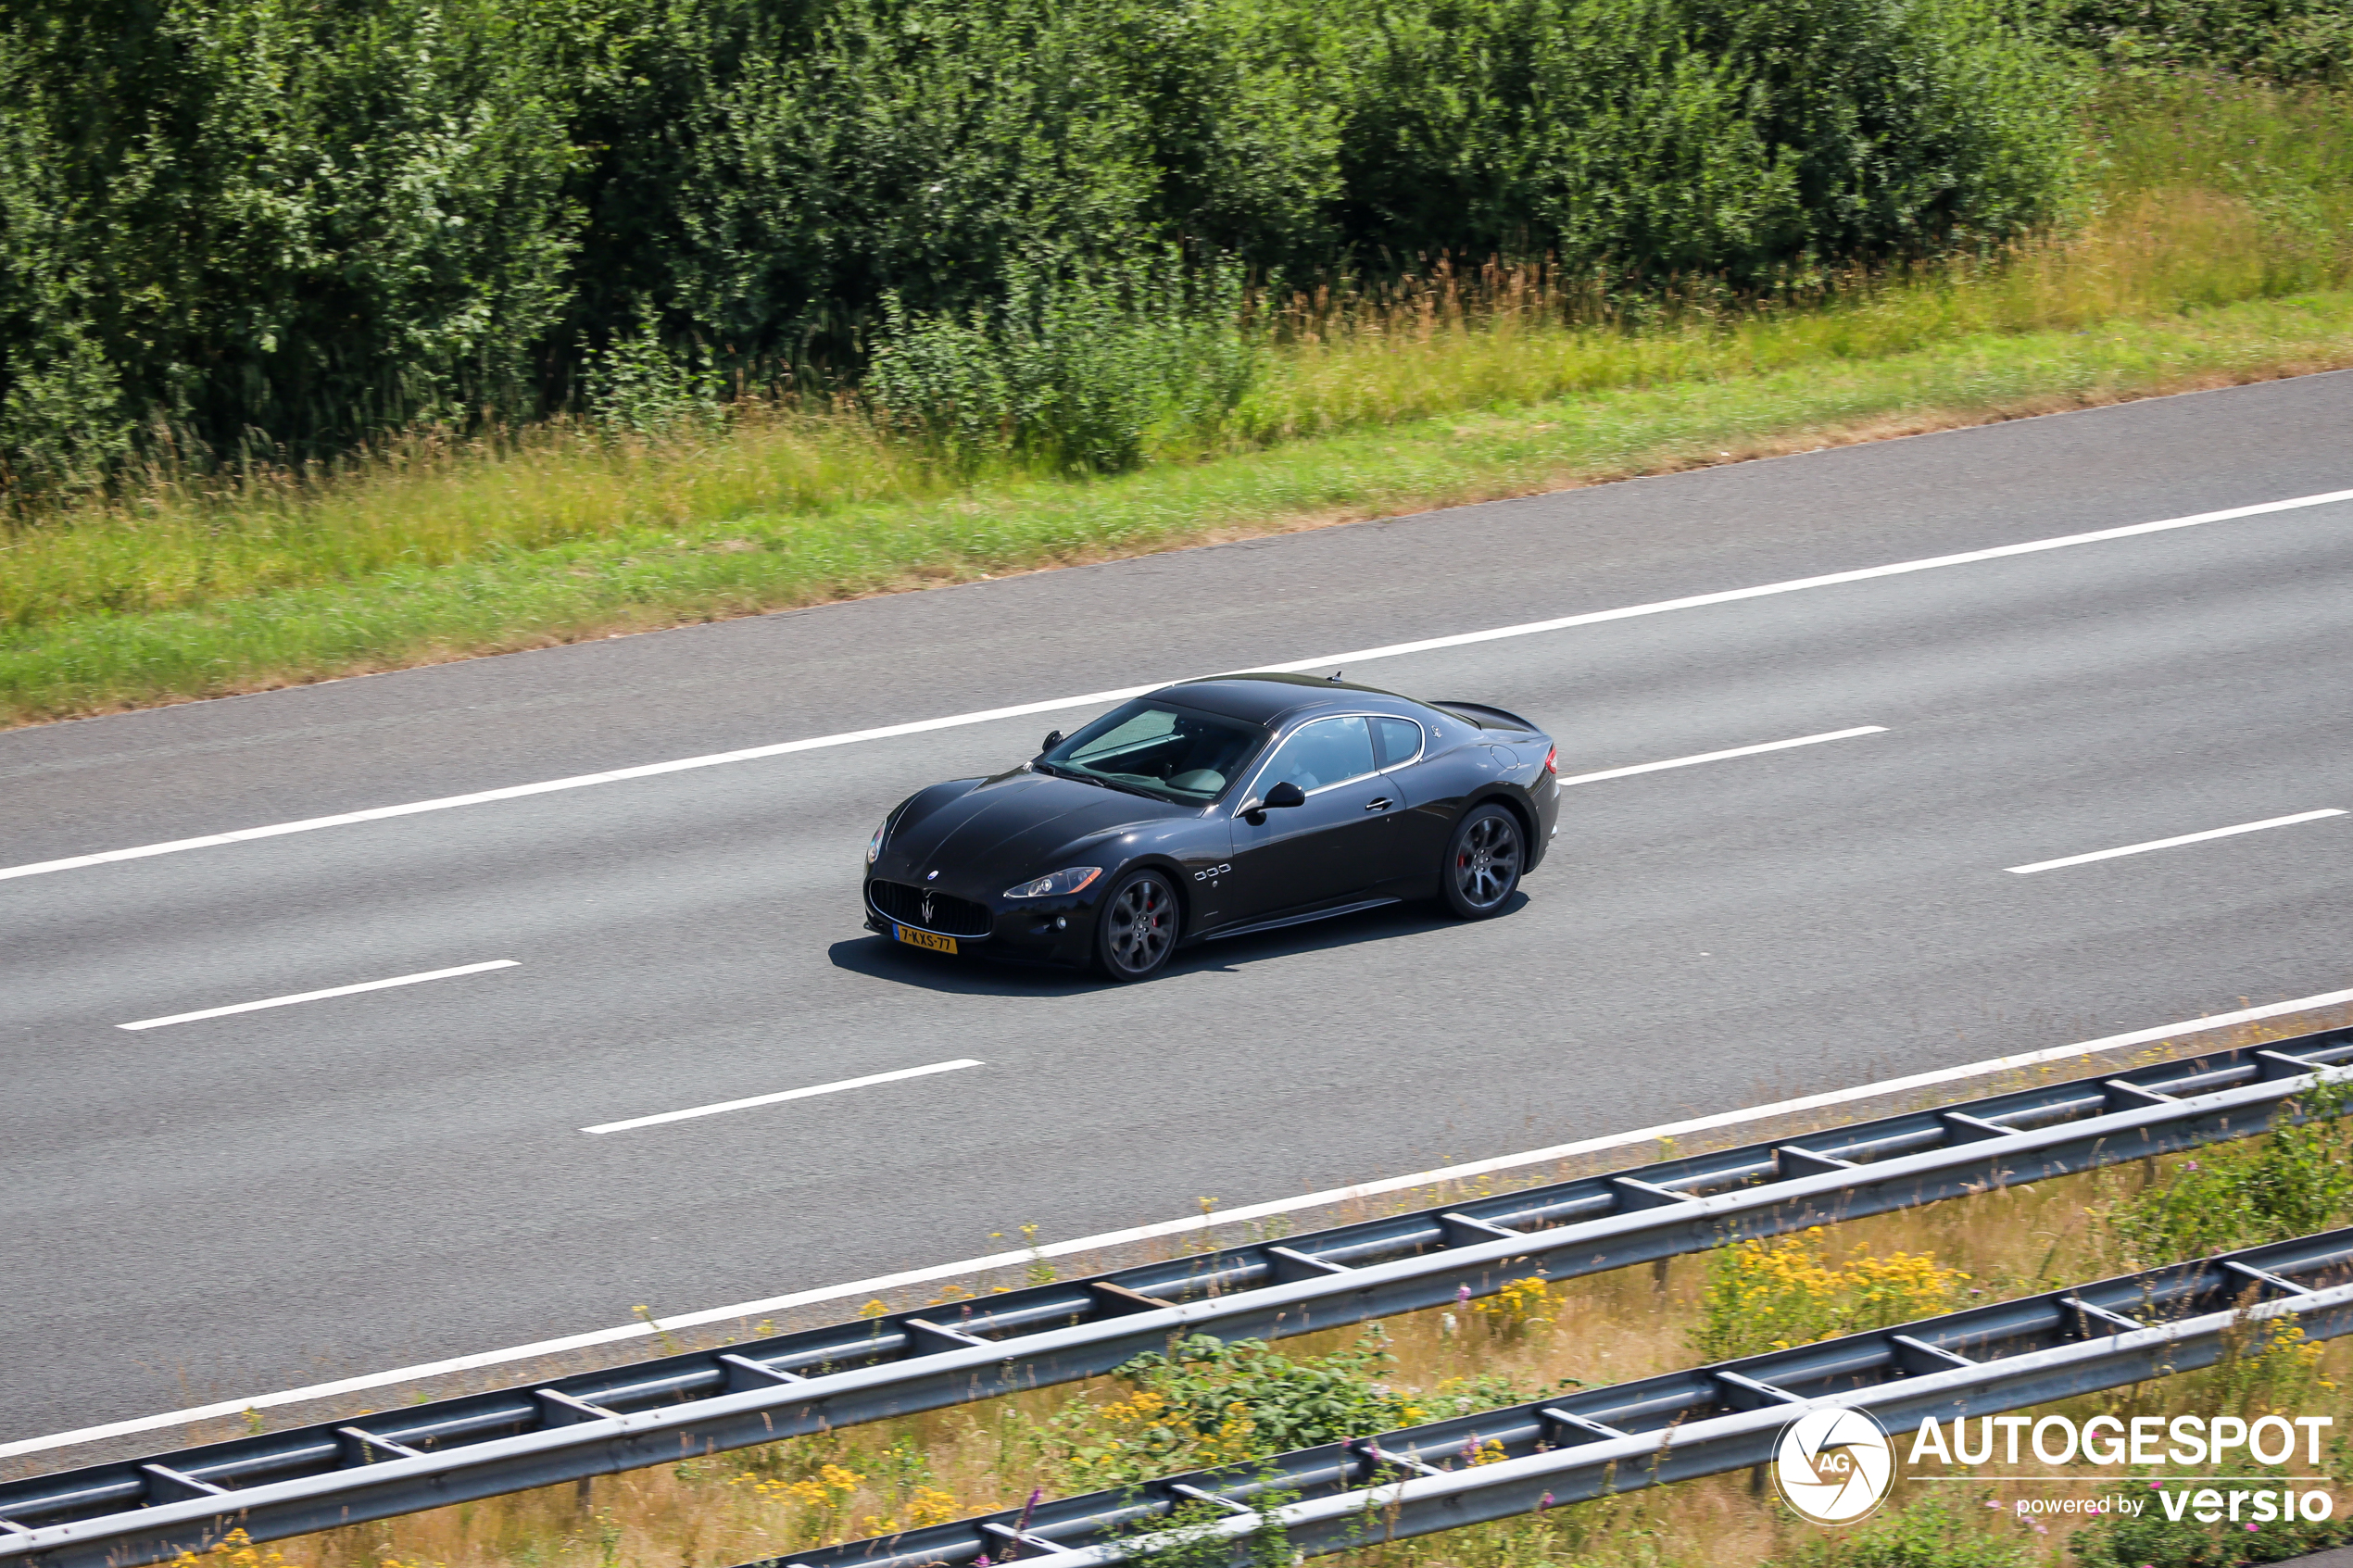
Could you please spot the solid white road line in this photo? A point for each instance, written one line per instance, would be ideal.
(321, 995)
(1098, 699)
(779, 1098)
(2171, 843)
(869, 1287)
(1720, 756)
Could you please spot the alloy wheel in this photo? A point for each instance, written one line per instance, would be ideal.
(1140, 926)
(1487, 863)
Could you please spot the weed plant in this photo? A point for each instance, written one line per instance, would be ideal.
(1935, 1532)
(1074, 371)
(2208, 192)
(1205, 1403)
(1770, 1295)
(2151, 1540)
(2268, 1368)
(1188, 1536)
(2293, 1181)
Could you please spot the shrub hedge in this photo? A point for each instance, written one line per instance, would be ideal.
(240, 228)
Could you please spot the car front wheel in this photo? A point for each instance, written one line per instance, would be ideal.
(1137, 930)
(1483, 862)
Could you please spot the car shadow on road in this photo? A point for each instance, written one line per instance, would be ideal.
(881, 958)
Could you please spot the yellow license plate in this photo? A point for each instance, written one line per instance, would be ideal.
(914, 938)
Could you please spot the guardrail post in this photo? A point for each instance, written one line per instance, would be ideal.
(1791, 1162)
(1116, 1300)
(1633, 1194)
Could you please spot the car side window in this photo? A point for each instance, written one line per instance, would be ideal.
(1396, 742)
(1317, 756)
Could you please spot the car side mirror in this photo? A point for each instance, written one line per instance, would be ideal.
(1254, 810)
(1054, 738)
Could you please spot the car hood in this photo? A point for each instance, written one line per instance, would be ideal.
(1008, 826)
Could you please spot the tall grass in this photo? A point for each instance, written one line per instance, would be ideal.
(2206, 193)
(2206, 199)
(429, 501)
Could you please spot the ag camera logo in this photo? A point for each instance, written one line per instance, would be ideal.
(1833, 1466)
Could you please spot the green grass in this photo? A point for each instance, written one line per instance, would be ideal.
(2218, 247)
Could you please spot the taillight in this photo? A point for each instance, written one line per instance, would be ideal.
(1553, 761)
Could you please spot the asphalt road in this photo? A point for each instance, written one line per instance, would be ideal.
(236, 1204)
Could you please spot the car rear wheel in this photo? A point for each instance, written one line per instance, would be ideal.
(1483, 862)
(1137, 930)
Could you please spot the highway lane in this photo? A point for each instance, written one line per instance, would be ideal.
(232, 1204)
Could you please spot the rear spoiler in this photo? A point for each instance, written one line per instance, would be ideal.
(1472, 711)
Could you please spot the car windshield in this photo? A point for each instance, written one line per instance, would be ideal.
(1174, 753)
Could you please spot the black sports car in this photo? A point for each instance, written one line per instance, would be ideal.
(1216, 806)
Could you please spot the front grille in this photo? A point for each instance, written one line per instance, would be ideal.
(951, 916)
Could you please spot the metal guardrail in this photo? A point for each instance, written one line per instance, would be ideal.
(275, 1484)
(1497, 1463)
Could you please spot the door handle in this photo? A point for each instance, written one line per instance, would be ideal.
(1383, 804)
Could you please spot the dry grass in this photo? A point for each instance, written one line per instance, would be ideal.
(1511, 338)
(430, 500)
(2206, 193)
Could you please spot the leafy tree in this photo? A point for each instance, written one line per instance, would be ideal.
(276, 227)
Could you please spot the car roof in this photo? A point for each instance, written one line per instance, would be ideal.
(1270, 697)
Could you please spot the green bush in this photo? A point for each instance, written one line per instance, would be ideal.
(277, 227)
(1698, 137)
(271, 223)
(1209, 1402)
(62, 423)
(1933, 1533)
(2282, 40)
(2293, 1180)
(637, 385)
(1074, 370)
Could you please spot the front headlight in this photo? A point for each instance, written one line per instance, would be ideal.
(874, 844)
(1070, 879)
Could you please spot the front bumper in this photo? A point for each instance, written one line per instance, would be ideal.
(1042, 929)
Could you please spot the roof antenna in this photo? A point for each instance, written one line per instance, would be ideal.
(1333, 676)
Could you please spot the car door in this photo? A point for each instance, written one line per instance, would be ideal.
(1424, 815)
(1341, 841)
